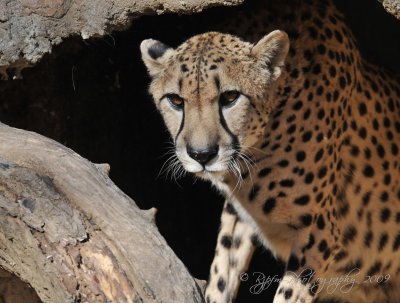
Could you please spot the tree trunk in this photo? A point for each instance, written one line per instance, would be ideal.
(68, 231)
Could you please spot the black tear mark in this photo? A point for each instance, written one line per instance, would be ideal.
(234, 138)
(181, 126)
(217, 83)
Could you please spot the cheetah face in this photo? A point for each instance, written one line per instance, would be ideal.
(215, 93)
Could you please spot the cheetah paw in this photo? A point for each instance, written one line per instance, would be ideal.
(291, 290)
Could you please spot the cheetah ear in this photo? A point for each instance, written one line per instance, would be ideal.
(154, 55)
(271, 51)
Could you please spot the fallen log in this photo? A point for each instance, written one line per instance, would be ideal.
(74, 236)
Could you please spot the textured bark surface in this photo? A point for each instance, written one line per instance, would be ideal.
(68, 231)
(29, 29)
(393, 7)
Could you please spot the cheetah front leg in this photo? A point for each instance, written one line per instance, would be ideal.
(233, 253)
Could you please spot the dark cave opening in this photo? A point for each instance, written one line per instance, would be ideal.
(92, 97)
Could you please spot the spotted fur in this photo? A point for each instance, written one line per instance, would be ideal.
(307, 154)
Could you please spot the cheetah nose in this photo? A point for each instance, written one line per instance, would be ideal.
(203, 155)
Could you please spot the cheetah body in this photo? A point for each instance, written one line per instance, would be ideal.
(314, 132)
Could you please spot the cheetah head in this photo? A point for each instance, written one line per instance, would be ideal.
(215, 93)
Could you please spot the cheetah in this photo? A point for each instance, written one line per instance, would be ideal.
(302, 137)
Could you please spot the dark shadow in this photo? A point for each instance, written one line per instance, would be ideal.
(13, 289)
(92, 97)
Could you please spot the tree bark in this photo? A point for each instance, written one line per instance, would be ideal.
(392, 6)
(29, 29)
(68, 231)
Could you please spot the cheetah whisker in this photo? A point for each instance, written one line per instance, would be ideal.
(173, 168)
(166, 166)
(235, 168)
(249, 165)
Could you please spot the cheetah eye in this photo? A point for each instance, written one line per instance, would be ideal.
(175, 100)
(229, 97)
